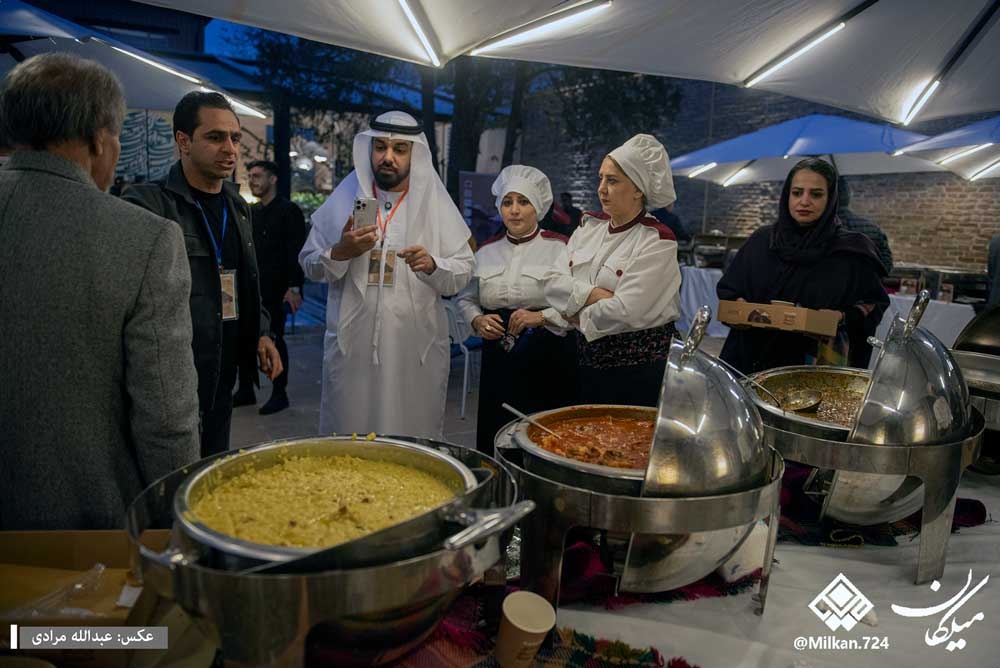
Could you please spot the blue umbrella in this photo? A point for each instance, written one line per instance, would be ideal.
(855, 147)
(149, 82)
(972, 151)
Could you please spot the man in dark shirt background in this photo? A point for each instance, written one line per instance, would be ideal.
(279, 231)
(667, 216)
(856, 223)
(575, 214)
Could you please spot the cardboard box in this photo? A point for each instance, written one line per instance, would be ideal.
(36, 563)
(779, 315)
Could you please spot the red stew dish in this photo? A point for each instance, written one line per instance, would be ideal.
(621, 442)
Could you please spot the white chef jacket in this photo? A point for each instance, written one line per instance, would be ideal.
(510, 274)
(636, 261)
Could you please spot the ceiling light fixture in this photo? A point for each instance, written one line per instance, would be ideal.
(421, 35)
(702, 169)
(961, 154)
(543, 27)
(154, 63)
(241, 107)
(728, 182)
(955, 56)
(983, 172)
(928, 90)
(814, 43)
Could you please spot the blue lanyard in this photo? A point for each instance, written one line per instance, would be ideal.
(215, 245)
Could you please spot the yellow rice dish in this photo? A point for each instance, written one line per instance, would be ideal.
(318, 501)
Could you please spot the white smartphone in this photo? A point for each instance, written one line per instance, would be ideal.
(365, 209)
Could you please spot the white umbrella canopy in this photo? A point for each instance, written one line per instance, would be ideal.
(855, 147)
(972, 151)
(149, 82)
(879, 63)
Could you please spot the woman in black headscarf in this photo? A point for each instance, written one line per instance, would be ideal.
(807, 258)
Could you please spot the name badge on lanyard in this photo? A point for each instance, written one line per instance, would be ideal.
(375, 266)
(229, 296)
(382, 263)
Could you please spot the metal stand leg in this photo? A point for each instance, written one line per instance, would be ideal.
(543, 538)
(765, 569)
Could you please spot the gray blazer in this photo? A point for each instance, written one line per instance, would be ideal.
(98, 393)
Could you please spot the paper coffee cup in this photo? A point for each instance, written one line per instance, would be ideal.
(527, 619)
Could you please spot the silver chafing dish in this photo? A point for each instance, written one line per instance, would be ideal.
(709, 480)
(913, 434)
(977, 352)
(358, 616)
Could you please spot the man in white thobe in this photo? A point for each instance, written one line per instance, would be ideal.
(386, 351)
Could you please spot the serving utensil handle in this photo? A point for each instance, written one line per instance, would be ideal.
(481, 524)
(916, 312)
(699, 325)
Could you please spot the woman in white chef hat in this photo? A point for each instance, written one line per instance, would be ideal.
(528, 361)
(623, 291)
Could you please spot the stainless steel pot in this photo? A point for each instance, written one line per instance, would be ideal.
(708, 441)
(350, 617)
(982, 373)
(819, 378)
(606, 479)
(219, 550)
(915, 395)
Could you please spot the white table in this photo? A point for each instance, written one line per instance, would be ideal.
(944, 320)
(697, 290)
(720, 633)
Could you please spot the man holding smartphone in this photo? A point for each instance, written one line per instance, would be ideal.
(390, 243)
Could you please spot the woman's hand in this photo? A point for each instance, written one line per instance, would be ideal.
(522, 319)
(597, 294)
(489, 327)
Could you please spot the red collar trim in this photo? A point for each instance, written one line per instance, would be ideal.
(627, 226)
(524, 240)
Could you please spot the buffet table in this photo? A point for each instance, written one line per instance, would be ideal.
(697, 290)
(718, 632)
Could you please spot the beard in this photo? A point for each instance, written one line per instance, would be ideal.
(391, 179)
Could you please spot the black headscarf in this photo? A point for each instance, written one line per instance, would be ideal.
(797, 244)
(822, 266)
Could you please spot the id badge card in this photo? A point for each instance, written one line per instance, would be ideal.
(375, 267)
(230, 300)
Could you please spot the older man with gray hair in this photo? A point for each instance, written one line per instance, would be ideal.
(99, 395)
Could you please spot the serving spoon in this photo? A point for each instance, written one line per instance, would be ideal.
(801, 401)
(530, 420)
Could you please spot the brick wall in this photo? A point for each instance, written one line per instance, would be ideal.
(930, 218)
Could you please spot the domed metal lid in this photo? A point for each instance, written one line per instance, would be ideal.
(709, 438)
(917, 394)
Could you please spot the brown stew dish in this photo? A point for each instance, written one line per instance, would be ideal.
(621, 442)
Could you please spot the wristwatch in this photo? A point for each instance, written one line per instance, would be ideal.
(294, 290)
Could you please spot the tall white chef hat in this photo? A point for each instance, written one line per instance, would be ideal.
(645, 161)
(530, 182)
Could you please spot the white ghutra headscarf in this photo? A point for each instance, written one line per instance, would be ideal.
(433, 222)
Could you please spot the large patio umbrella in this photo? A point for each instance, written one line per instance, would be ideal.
(891, 59)
(855, 147)
(973, 151)
(149, 82)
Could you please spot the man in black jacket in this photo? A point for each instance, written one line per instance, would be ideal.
(279, 231)
(226, 312)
